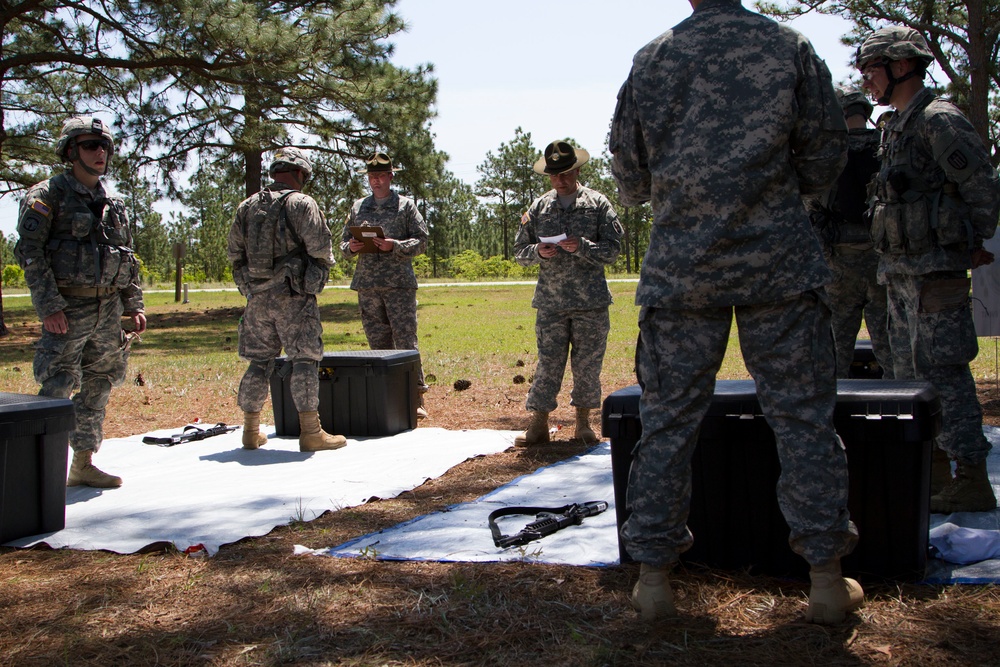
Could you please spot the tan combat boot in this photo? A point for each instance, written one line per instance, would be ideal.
(421, 410)
(969, 491)
(583, 431)
(312, 438)
(831, 595)
(84, 473)
(252, 437)
(651, 596)
(538, 431)
(940, 471)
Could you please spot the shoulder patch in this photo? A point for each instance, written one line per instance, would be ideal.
(30, 224)
(958, 160)
(524, 218)
(39, 206)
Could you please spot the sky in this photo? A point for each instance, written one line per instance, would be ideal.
(551, 67)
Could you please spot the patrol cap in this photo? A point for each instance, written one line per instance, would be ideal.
(380, 161)
(854, 101)
(560, 156)
(290, 158)
(76, 126)
(894, 42)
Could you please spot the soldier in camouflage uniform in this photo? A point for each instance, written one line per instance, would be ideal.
(384, 280)
(281, 250)
(937, 199)
(75, 246)
(841, 219)
(572, 295)
(730, 233)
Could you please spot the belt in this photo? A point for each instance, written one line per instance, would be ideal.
(92, 292)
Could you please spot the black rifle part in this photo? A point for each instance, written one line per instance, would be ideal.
(189, 434)
(547, 521)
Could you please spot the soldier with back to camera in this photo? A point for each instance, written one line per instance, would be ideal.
(281, 251)
(75, 246)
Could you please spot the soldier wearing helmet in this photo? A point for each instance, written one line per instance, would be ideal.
(937, 198)
(840, 217)
(384, 277)
(281, 251)
(75, 246)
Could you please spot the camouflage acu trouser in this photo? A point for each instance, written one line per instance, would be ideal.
(788, 349)
(855, 292)
(580, 335)
(273, 320)
(389, 317)
(91, 356)
(933, 314)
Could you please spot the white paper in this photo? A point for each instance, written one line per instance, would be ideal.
(552, 239)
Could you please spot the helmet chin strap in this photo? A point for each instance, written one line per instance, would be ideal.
(887, 95)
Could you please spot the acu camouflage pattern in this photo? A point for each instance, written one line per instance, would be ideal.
(730, 230)
(789, 352)
(932, 316)
(938, 198)
(400, 220)
(385, 281)
(281, 313)
(72, 236)
(572, 295)
(937, 195)
(840, 217)
(726, 180)
(280, 234)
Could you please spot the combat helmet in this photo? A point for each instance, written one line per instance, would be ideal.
(889, 44)
(893, 43)
(79, 125)
(851, 98)
(290, 158)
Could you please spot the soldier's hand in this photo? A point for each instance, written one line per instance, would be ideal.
(355, 245)
(981, 257)
(56, 323)
(385, 245)
(570, 244)
(139, 322)
(547, 250)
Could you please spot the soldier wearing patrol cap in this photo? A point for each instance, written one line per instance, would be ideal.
(75, 246)
(281, 250)
(384, 277)
(571, 232)
(937, 199)
(840, 217)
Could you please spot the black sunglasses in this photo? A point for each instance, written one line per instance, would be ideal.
(94, 144)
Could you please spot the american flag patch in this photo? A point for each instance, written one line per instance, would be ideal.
(524, 218)
(41, 207)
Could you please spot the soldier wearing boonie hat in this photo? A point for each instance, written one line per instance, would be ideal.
(75, 246)
(937, 198)
(572, 233)
(384, 279)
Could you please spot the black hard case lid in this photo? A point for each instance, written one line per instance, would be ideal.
(24, 415)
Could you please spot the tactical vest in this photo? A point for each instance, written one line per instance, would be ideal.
(916, 210)
(847, 200)
(90, 243)
(265, 236)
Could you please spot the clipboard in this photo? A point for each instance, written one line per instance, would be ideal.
(365, 235)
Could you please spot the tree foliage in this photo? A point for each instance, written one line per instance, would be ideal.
(507, 186)
(964, 37)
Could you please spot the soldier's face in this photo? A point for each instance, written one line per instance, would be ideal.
(92, 153)
(380, 182)
(565, 183)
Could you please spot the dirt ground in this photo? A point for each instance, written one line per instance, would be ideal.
(255, 603)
